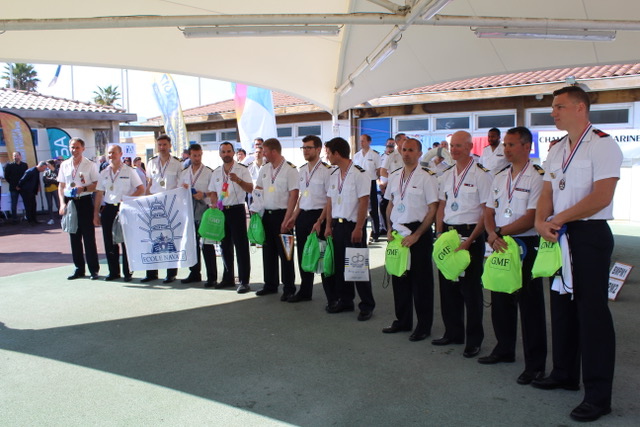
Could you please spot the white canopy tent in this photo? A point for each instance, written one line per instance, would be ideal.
(332, 70)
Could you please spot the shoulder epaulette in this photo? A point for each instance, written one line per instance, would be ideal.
(482, 167)
(600, 133)
(242, 164)
(327, 165)
(429, 171)
(334, 171)
(154, 157)
(539, 169)
(448, 168)
(208, 168)
(217, 168)
(376, 151)
(304, 165)
(180, 160)
(394, 171)
(359, 168)
(249, 164)
(504, 169)
(184, 168)
(292, 165)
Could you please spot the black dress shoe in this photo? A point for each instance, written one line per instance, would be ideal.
(492, 359)
(471, 351)
(169, 279)
(418, 336)
(285, 297)
(211, 284)
(589, 412)
(527, 376)
(298, 298)
(94, 276)
(445, 341)
(192, 279)
(223, 285)
(339, 307)
(365, 315)
(75, 276)
(111, 277)
(550, 383)
(128, 278)
(265, 291)
(394, 329)
(148, 279)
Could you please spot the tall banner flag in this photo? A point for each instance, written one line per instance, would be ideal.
(168, 101)
(254, 114)
(54, 80)
(159, 230)
(17, 136)
(59, 143)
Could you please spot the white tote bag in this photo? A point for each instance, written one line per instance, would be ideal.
(356, 265)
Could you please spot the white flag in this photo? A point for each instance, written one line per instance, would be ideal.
(159, 230)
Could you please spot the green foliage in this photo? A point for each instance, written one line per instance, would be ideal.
(23, 76)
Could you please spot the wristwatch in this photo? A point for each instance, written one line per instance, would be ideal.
(498, 231)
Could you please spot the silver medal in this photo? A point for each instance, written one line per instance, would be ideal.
(401, 208)
(454, 206)
(508, 212)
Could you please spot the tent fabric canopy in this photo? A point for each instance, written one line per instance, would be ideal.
(330, 71)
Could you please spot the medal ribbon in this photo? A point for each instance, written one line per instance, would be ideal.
(456, 187)
(274, 177)
(194, 180)
(308, 179)
(341, 181)
(163, 169)
(511, 190)
(113, 177)
(566, 162)
(74, 172)
(406, 183)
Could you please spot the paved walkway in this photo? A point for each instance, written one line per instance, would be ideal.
(77, 353)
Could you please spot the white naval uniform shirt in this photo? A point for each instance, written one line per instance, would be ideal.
(419, 193)
(494, 160)
(236, 193)
(598, 157)
(254, 170)
(473, 193)
(85, 175)
(276, 193)
(393, 162)
(369, 162)
(197, 179)
(314, 186)
(170, 174)
(525, 196)
(344, 204)
(118, 184)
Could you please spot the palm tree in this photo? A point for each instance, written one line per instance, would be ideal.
(21, 76)
(106, 95)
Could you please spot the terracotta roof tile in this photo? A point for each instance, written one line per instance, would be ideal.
(22, 100)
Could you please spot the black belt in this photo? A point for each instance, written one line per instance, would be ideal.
(412, 224)
(233, 206)
(113, 204)
(343, 220)
(460, 226)
(274, 211)
(311, 210)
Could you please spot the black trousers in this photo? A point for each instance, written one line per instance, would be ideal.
(415, 288)
(209, 255)
(14, 203)
(466, 293)
(107, 216)
(383, 210)
(272, 250)
(235, 236)
(304, 224)
(530, 300)
(29, 200)
(374, 213)
(86, 234)
(343, 290)
(582, 327)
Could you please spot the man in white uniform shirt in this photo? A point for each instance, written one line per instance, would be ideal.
(493, 157)
(463, 191)
(279, 181)
(77, 179)
(413, 201)
(115, 181)
(346, 213)
(369, 160)
(582, 171)
(510, 211)
(196, 177)
(163, 174)
(314, 184)
(229, 186)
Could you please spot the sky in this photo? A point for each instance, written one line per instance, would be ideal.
(140, 99)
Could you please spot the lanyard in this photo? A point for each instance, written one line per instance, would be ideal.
(456, 187)
(341, 181)
(194, 180)
(74, 172)
(308, 179)
(511, 190)
(567, 161)
(274, 177)
(112, 176)
(406, 183)
(162, 169)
